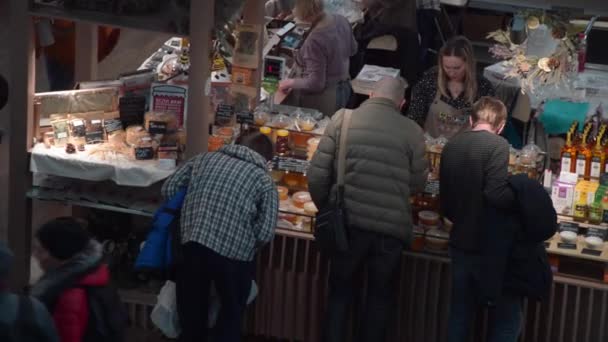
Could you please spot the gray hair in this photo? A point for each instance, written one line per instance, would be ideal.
(392, 88)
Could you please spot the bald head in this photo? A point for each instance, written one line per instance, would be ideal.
(391, 88)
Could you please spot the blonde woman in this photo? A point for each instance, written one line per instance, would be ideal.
(323, 59)
(443, 98)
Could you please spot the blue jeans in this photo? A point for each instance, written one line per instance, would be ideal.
(505, 317)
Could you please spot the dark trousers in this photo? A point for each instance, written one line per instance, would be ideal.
(232, 278)
(505, 317)
(382, 255)
(427, 31)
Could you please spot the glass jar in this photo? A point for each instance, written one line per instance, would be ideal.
(282, 144)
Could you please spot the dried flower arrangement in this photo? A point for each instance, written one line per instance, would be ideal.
(538, 70)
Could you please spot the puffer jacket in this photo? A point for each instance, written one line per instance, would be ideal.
(63, 291)
(385, 163)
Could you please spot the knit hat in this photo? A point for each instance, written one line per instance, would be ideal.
(6, 260)
(63, 237)
(3, 92)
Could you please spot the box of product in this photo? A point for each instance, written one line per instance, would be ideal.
(581, 196)
(562, 195)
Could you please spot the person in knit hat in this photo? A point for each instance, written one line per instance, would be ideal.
(22, 318)
(72, 261)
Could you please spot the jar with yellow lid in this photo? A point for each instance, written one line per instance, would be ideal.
(282, 143)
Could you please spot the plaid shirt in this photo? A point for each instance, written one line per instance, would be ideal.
(428, 4)
(232, 203)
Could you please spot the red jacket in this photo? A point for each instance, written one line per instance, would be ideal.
(71, 313)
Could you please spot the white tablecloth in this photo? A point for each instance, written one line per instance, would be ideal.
(82, 165)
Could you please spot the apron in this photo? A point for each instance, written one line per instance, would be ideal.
(445, 120)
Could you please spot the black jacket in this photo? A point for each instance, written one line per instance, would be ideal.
(514, 253)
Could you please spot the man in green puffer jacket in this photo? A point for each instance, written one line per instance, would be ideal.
(385, 163)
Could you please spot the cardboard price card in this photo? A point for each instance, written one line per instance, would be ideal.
(170, 99)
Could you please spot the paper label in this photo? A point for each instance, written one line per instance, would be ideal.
(595, 167)
(566, 162)
(580, 165)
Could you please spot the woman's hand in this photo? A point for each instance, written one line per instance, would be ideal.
(286, 85)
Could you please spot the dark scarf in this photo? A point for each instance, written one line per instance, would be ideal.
(56, 281)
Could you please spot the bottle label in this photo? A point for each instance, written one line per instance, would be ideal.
(580, 165)
(595, 167)
(566, 162)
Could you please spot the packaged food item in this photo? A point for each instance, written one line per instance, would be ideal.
(70, 148)
(300, 140)
(49, 139)
(291, 179)
(160, 123)
(61, 129)
(428, 219)
(260, 117)
(144, 150)
(300, 198)
(562, 194)
(78, 128)
(215, 143)
(281, 121)
(94, 131)
(167, 156)
(310, 208)
(282, 144)
(117, 139)
(306, 123)
(283, 193)
(135, 134)
(594, 242)
(112, 125)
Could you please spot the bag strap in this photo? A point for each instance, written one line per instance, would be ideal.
(342, 151)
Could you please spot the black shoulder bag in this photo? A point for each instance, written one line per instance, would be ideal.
(330, 228)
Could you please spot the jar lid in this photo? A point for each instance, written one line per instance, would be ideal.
(265, 130)
(283, 133)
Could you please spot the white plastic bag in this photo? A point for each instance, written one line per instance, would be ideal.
(164, 315)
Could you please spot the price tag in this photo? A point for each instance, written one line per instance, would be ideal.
(568, 227)
(144, 153)
(157, 127)
(597, 232)
(593, 252)
(78, 128)
(132, 109)
(564, 245)
(223, 114)
(112, 125)
(94, 137)
(245, 118)
(432, 187)
(290, 164)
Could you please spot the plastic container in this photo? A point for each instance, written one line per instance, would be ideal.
(310, 208)
(283, 193)
(301, 198)
(568, 236)
(428, 219)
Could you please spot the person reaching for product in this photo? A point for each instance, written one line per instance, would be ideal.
(75, 286)
(443, 97)
(385, 163)
(474, 177)
(323, 60)
(230, 211)
(22, 318)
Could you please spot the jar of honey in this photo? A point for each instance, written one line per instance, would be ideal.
(282, 143)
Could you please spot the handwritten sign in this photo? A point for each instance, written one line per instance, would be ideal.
(564, 245)
(132, 109)
(593, 252)
(245, 117)
(157, 127)
(597, 232)
(144, 153)
(290, 164)
(112, 125)
(223, 114)
(568, 227)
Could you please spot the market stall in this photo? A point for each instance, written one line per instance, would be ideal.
(109, 144)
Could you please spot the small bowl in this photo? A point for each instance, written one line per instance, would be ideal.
(594, 242)
(568, 237)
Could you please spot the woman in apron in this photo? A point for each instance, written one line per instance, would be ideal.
(443, 98)
(323, 60)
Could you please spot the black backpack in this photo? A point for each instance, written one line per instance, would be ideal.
(21, 330)
(108, 318)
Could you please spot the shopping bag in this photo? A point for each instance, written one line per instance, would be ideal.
(164, 315)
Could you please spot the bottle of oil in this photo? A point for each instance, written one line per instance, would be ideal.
(568, 155)
(583, 155)
(598, 158)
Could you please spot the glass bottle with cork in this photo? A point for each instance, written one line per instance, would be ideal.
(584, 154)
(598, 158)
(568, 154)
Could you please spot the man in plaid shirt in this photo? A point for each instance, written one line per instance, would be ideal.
(229, 212)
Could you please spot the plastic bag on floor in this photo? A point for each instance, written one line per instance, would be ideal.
(164, 315)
